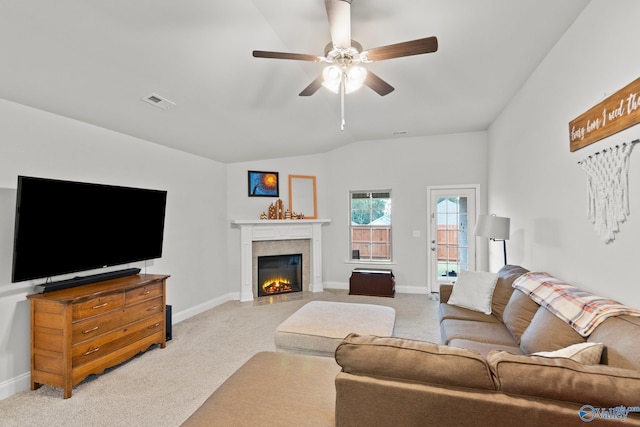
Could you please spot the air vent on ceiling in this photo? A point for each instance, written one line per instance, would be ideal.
(158, 101)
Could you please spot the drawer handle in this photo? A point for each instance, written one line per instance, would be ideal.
(153, 326)
(87, 331)
(154, 308)
(93, 350)
(147, 292)
(100, 305)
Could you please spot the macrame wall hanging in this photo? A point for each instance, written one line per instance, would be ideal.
(608, 189)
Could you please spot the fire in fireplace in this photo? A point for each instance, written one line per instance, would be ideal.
(278, 274)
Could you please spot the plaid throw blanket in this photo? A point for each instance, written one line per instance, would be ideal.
(582, 310)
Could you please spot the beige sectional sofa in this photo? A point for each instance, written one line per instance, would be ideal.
(481, 374)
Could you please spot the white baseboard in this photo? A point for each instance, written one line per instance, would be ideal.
(15, 385)
(200, 308)
(336, 285)
(412, 290)
(399, 289)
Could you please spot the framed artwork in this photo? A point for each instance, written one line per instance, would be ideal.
(263, 184)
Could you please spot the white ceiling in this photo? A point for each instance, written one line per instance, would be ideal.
(93, 60)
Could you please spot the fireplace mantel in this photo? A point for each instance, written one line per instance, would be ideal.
(267, 230)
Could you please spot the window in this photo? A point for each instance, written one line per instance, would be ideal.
(371, 226)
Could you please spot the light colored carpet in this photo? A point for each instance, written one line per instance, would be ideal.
(162, 387)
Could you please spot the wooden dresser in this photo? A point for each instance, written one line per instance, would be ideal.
(84, 330)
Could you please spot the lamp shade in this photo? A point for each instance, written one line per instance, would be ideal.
(493, 227)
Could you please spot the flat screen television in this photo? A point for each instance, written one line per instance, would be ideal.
(66, 226)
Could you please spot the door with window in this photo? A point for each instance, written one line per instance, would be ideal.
(452, 216)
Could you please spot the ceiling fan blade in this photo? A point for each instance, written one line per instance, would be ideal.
(414, 47)
(339, 14)
(377, 84)
(283, 55)
(313, 87)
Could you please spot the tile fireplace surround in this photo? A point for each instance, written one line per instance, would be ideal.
(272, 230)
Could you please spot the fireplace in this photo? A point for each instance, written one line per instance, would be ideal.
(279, 274)
(256, 232)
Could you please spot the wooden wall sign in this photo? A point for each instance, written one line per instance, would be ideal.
(618, 112)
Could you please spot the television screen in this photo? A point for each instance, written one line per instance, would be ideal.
(65, 227)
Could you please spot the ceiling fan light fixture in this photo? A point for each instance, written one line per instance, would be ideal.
(354, 78)
(332, 76)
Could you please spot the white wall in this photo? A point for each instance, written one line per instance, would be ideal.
(407, 166)
(404, 165)
(535, 180)
(36, 143)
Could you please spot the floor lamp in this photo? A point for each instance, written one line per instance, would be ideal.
(496, 228)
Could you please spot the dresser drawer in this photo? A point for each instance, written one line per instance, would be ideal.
(97, 325)
(98, 305)
(143, 292)
(98, 347)
(133, 313)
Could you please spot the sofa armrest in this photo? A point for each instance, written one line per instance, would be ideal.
(564, 379)
(414, 361)
(445, 292)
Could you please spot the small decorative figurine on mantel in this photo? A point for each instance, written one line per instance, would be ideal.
(276, 211)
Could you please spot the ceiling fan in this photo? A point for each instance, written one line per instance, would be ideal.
(344, 56)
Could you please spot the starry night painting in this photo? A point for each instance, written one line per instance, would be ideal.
(263, 184)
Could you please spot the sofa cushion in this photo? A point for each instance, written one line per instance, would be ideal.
(484, 348)
(495, 333)
(474, 290)
(619, 350)
(518, 313)
(445, 292)
(565, 379)
(587, 353)
(504, 289)
(415, 361)
(546, 332)
(446, 311)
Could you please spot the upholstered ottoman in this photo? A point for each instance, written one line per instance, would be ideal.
(319, 326)
(273, 389)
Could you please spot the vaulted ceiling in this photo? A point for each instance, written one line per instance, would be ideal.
(94, 60)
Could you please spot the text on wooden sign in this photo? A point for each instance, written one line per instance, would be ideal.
(618, 112)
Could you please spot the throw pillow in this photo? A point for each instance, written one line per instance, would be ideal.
(474, 290)
(587, 353)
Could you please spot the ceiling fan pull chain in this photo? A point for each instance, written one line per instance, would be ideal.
(342, 102)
